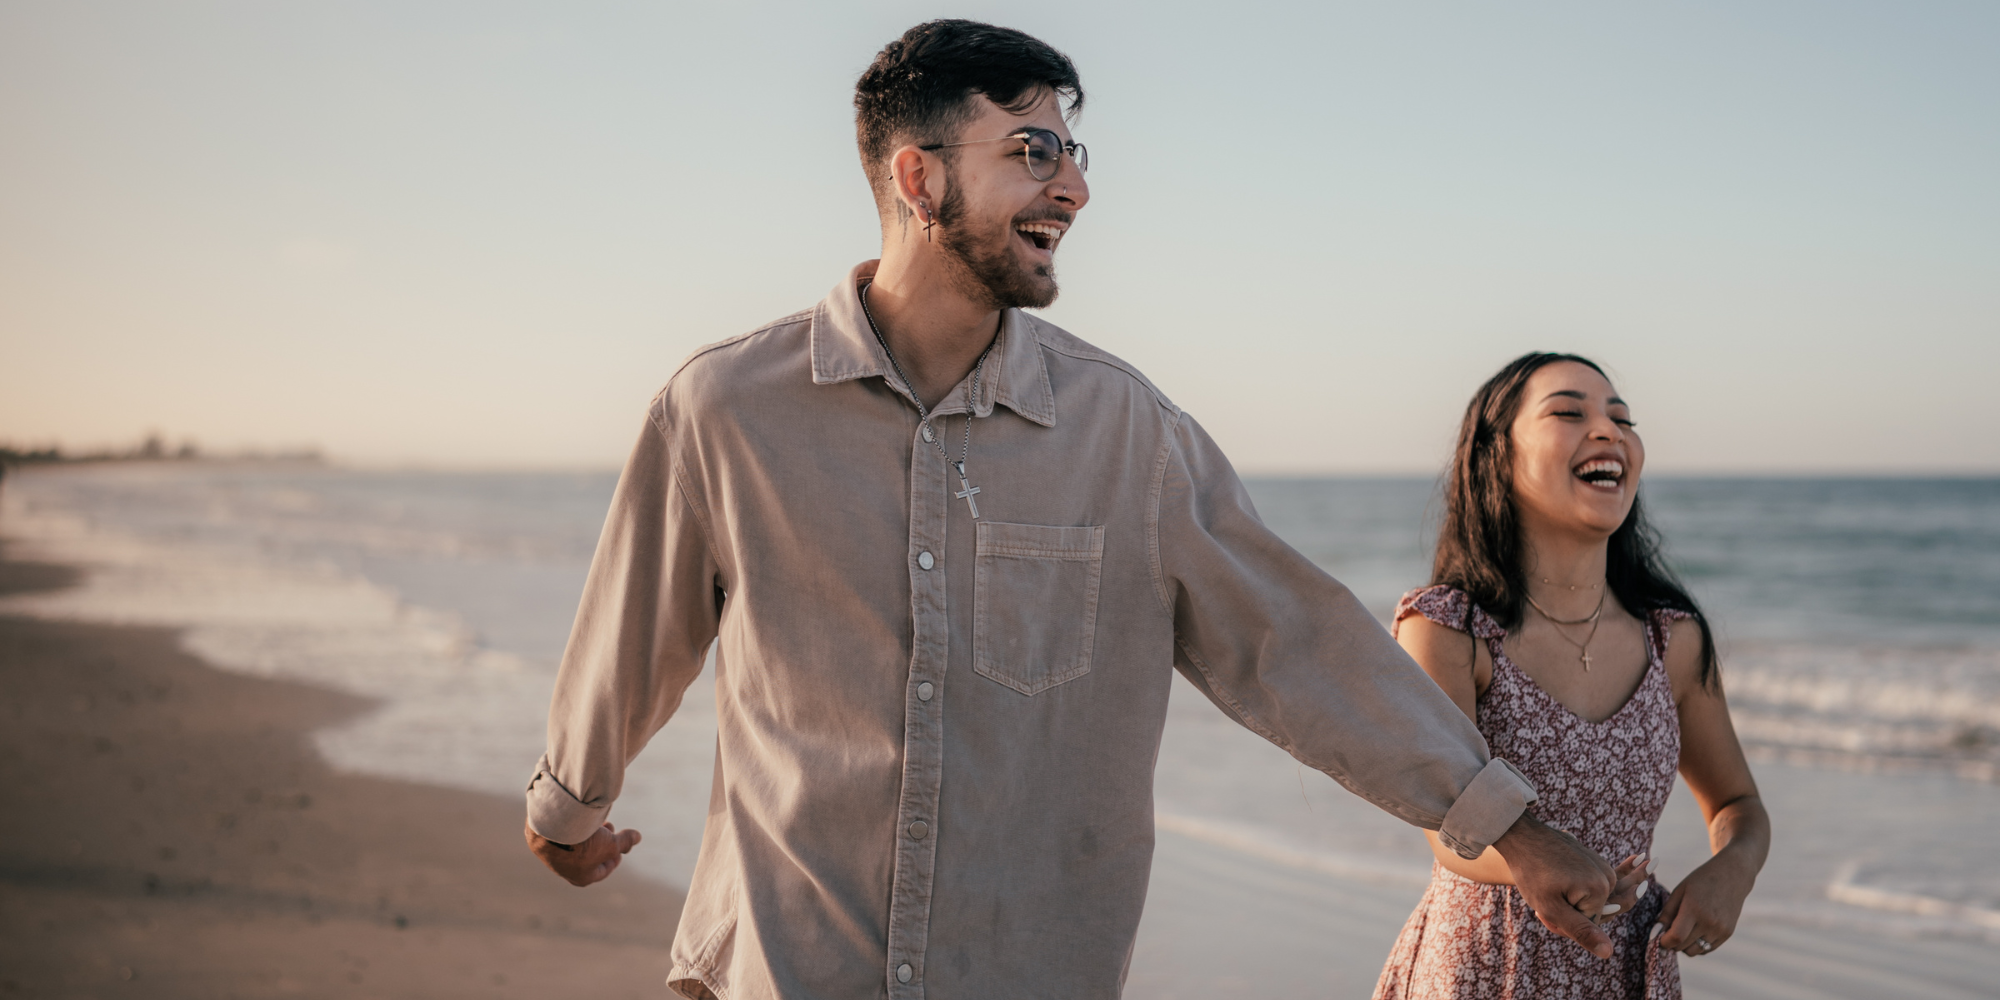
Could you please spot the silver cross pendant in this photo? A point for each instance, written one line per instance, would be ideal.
(967, 493)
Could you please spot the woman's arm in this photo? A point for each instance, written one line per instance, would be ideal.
(1702, 911)
(1461, 665)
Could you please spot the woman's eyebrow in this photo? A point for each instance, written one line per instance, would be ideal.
(1573, 394)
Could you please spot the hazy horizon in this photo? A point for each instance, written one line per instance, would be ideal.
(478, 236)
(292, 459)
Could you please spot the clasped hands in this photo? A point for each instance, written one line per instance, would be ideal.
(1571, 890)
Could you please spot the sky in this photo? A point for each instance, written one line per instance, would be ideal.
(484, 234)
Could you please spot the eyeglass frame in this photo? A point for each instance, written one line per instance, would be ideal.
(1027, 137)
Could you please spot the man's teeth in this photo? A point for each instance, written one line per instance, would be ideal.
(1038, 229)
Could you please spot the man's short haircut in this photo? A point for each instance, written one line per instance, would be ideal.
(919, 88)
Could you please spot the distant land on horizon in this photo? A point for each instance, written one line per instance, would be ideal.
(153, 448)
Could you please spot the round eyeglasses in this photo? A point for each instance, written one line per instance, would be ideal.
(1041, 149)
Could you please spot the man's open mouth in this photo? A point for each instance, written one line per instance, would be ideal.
(1603, 473)
(1044, 235)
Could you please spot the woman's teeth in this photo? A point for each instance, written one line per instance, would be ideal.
(1603, 472)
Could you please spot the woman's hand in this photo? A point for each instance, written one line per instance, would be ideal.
(1632, 873)
(1701, 913)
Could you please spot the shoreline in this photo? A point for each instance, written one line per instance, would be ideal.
(177, 835)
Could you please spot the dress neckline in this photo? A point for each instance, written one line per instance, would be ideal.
(1656, 660)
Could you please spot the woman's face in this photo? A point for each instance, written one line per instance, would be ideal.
(1576, 455)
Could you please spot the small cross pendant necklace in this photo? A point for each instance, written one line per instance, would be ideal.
(967, 491)
(1582, 648)
(970, 490)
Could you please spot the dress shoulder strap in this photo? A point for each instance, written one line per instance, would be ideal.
(1662, 621)
(1448, 606)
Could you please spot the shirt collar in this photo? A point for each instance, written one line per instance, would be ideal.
(844, 348)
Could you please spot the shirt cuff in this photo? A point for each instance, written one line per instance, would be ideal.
(558, 815)
(1486, 809)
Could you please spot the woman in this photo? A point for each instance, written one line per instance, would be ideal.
(1553, 623)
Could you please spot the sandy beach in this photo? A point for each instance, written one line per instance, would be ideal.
(172, 834)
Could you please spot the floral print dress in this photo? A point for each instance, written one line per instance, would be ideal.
(1603, 782)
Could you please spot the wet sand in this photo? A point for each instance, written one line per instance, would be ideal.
(170, 833)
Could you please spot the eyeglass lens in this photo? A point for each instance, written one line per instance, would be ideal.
(1045, 151)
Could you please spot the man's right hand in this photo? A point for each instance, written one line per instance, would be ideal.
(591, 861)
(1565, 882)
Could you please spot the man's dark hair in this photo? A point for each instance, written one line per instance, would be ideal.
(920, 86)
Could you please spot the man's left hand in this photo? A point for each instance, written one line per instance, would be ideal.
(1565, 882)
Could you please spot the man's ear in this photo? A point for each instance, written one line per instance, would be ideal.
(917, 181)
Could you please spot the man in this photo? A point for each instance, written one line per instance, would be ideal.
(948, 552)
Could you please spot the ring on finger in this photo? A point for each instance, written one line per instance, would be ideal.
(1703, 944)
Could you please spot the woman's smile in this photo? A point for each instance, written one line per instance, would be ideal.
(1606, 474)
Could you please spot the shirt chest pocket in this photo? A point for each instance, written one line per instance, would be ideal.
(1034, 603)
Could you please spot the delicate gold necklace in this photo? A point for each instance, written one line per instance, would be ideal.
(1585, 620)
(1594, 619)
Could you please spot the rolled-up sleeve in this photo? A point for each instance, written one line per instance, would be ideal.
(1290, 653)
(648, 613)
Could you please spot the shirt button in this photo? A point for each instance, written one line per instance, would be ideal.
(928, 436)
(925, 560)
(919, 830)
(903, 972)
(925, 690)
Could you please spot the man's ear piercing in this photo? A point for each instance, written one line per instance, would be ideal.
(929, 220)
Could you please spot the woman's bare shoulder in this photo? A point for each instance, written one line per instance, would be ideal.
(1444, 652)
(1683, 659)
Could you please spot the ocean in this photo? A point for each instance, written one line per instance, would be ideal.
(1859, 621)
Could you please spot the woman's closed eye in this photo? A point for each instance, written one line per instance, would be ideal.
(1578, 415)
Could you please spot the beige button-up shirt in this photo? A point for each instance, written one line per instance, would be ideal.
(936, 734)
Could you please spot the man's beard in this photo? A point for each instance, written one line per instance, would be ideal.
(987, 270)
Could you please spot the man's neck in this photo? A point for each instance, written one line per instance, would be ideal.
(935, 330)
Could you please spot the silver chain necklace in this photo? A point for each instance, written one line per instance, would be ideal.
(968, 491)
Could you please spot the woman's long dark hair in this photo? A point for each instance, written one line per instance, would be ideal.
(1479, 541)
